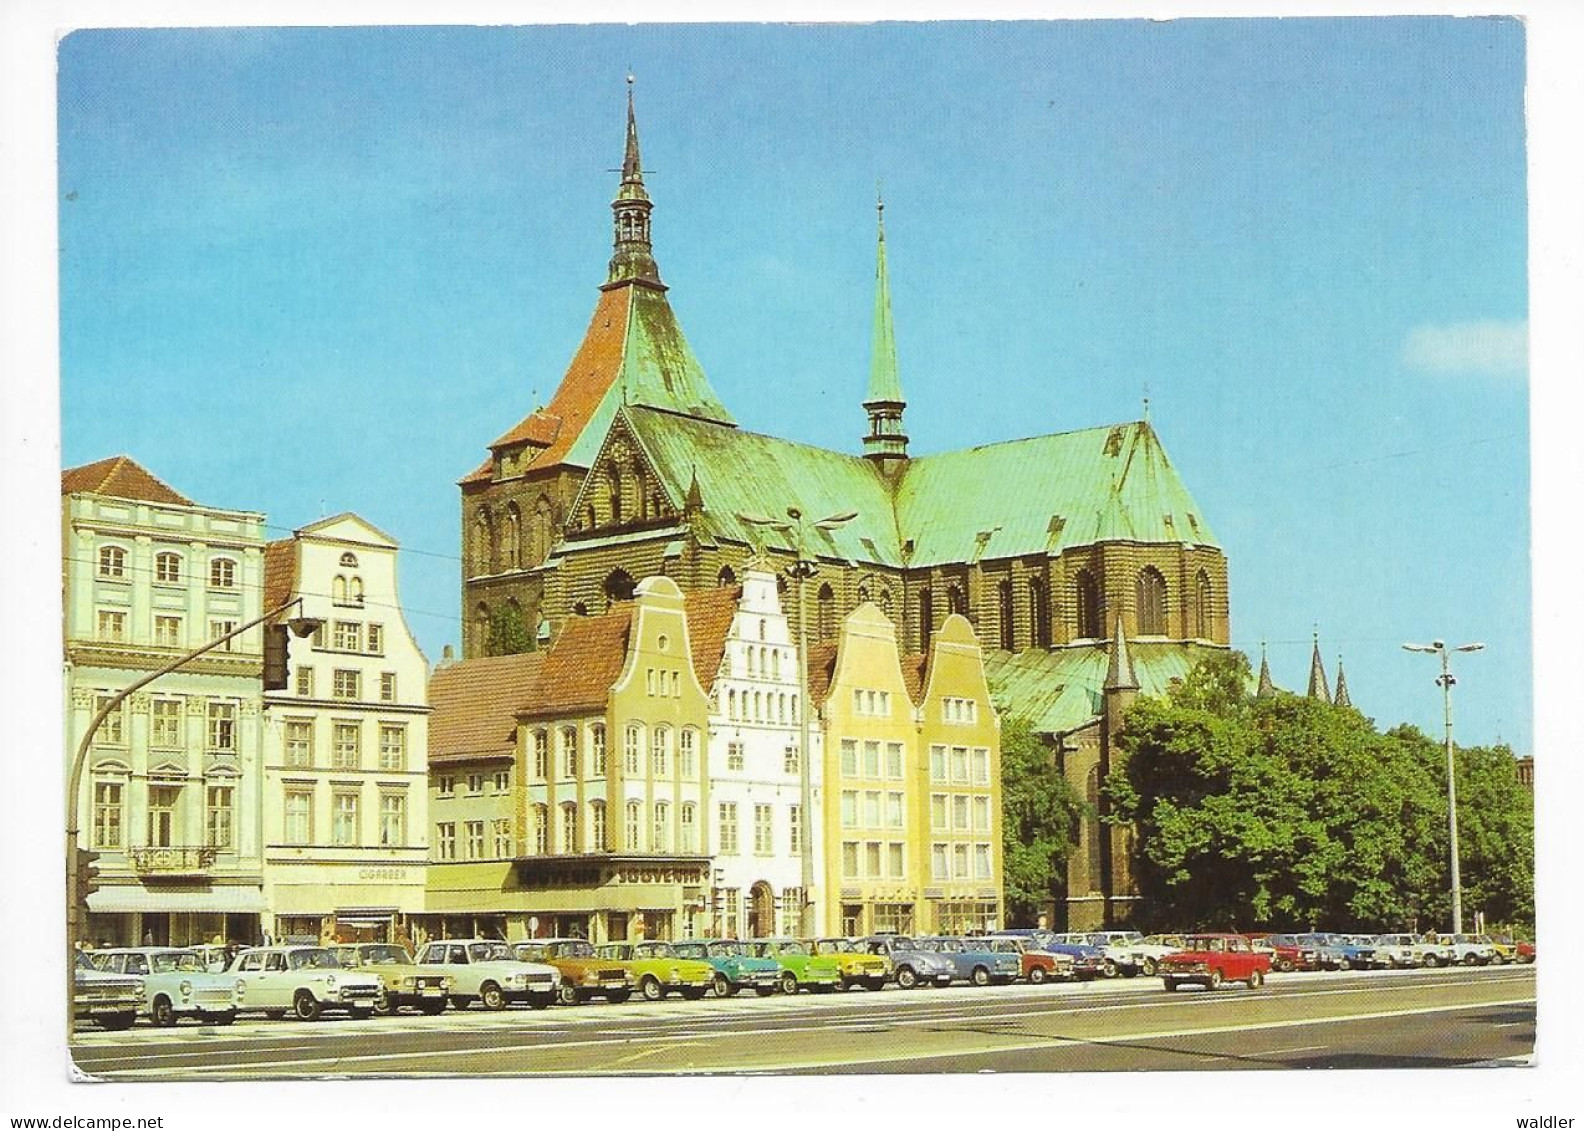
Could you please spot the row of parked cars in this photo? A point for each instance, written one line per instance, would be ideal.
(166, 984)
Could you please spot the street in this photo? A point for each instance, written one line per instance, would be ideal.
(1434, 1018)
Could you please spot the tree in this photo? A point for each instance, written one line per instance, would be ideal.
(508, 634)
(1039, 812)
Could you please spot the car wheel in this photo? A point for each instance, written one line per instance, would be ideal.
(490, 994)
(382, 1004)
(906, 978)
(1036, 975)
(163, 1013)
(1345, 964)
(1109, 969)
(789, 983)
(1150, 967)
(1216, 979)
(566, 994)
(722, 986)
(306, 1007)
(981, 976)
(433, 1008)
(1431, 961)
(1470, 959)
(1171, 985)
(1285, 966)
(1256, 979)
(616, 997)
(651, 989)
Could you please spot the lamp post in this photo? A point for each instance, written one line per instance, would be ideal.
(1446, 680)
(300, 626)
(803, 567)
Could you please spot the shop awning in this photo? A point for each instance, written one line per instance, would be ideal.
(243, 900)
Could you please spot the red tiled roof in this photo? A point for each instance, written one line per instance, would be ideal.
(709, 619)
(120, 477)
(582, 664)
(592, 372)
(280, 571)
(915, 675)
(822, 669)
(537, 428)
(475, 706)
(481, 473)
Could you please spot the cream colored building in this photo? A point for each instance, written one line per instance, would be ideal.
(345, 810)
(170, 790)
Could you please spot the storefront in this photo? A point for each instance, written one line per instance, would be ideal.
(175, 916)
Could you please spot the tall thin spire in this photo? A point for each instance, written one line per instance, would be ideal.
(884, 402)
(1318, 688)
(1267, 687)
(1119, 674)
(1342, 698)
(634, 256)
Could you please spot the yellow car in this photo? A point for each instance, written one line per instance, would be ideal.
(658, 970)
(858, 967)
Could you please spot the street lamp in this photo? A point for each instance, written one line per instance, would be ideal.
(1446, 680)
(300, 626)
(803, 567)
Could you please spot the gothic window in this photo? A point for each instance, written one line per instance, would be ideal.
(885, 601)
(726, 576)
(481, 626)
(926, 617)
(640, 508)
(1087, 595)
(619, 586)
(483, 541)
(1202, 606)
(1039, 612)
(512, 537)
(1151, 602)
(543, 532)
(1004, 604)
(956, 600)
(825, 621)
(863, 593)
(615, 477)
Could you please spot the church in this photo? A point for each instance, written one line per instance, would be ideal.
(1083, 563)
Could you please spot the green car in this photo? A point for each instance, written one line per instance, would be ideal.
(799, 968)
(735, 967)
(659, 970)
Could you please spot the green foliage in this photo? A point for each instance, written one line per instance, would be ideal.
(1291, 812)
(1039, 814)
(508, 633)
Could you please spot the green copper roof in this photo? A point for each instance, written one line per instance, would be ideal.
(1050, 493)
(885, 385)
(1058, 691)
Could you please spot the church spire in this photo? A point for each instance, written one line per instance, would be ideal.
(1267, 686)
(883, 402)
(1119, 674)
(633, 260)
(1318, 689)
(1342, 698)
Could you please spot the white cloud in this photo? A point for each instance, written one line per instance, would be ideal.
(1488, 348)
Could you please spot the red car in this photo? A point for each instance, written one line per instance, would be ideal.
(1526, 952)
(1213, 960)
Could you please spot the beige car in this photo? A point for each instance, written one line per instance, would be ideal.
(402, 982)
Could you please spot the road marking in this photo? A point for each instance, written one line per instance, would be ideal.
(641, 1053)
(1283, 1052)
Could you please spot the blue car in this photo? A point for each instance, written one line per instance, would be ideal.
(971, 962)
(1088, 961)
(735, 966)
(914, 965)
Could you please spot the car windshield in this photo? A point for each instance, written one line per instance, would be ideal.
(183, 961)
(690, 950)
(313, 958)
(833, 946)
(576, 948)
(932, 945)
(1203, 943)
(725, 949)
(489, 952)
(654, 950)
(1013, 945)
(787, 948)
(383, 956)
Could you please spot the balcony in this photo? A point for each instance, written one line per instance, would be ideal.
(172, 860)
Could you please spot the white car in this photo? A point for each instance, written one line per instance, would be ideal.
(176, 983)
(485, 969)
(110, 999)
(307, 980)
(1468, 950)
(1402, 952)
(1124, 951)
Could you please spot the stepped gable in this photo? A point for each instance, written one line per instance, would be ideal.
(474, 706)
(120, 477)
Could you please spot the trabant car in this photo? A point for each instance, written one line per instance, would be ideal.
(111, 1000)
(584, 974)
(735, 968)
(658, 970)
(308, 980)
(176, 984)
(1127, 952)
(858, 966)
(487, 970)
(1505, 947)
(800, 967)
(912, 965)
(401, 981)
(1213, 960)
(972, 962)
(1039, 966)
(1468, 950)
(1399, 952)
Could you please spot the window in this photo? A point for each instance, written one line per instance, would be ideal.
(349, 560)
(344, 818)
(849, 757)
(634, 826)
(541, 829)
(981, 861)
(728, 828)
(474, 831)
(940, 868)
(168, 632)
(1039, 613)
(872, 859)
(219, 822)
(299, 816)
(731, 703)
(1151, 602)
(597, 749)
(541, 755)
(849, 860)
(569, 827)
(764, 831)
(107, 814)
(475, 783)
(734, 755)
(895, 862)
(346, 748)
(687, 753)
(688, 824)
(376, 639)
(503, 838)
(1087, 599)
(569, 752)
(348, 636)
(960, 813)
(960, 861)
(871, 759)
(599, 837)
(222, 573)
(893, 762)
(338, 590)
(165, 727)
(940, 820)
(795, 822)
(633, 751)
(502, 781)
(937, 763)
(871, 808)
(1202, 600)
(347, 683)
(393, 746)
(445, 785)
(220, 629)
(387, 687)
(112, 561)
(222, 726)
(662, 828)
(981, 766)
(789, 760)
(893, 810)
(825, 621)
(445, 840)
(660, 756)
(305, 682)
(162, 815)
(849, 808)
(1004, 613)
(112, 625)
(981, 814)
(959, 764)
(926, 617)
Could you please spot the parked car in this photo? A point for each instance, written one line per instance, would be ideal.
(973, 962)
(912, 965)
(402, 982)
(800, 967)
(1213, 960)
(1119, 956)
(1038, 965)
(1088, 961)
(1330, 952)
(110, 1000)
(658, 970)
(859, 967)
(1525, 952)
(1400, 952)
(1468, 950)
(307, 980)
(176, 984)
(581, 972)
(1294, 952)
(487, 970)
(1360, 950)
(735, 968)
(1153, 948)
(1504, 946)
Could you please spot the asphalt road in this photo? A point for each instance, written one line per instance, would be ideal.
(1411, 1019)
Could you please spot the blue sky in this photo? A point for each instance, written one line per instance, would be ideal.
(318, 270)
